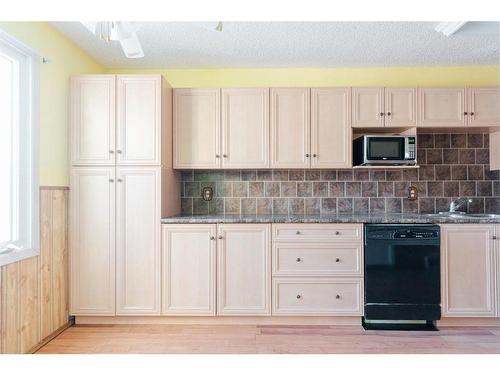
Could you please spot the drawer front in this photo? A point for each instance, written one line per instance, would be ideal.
(315, 296)
(317, 232)
(330, 259)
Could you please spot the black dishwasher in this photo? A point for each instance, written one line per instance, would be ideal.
(402, 276)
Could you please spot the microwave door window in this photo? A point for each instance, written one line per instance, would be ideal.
(386, 149)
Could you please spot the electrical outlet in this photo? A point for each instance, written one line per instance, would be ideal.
(412, 193)
(207, 193)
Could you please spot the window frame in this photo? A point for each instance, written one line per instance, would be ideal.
(29, 187)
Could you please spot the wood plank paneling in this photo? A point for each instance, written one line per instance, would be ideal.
(34, 291)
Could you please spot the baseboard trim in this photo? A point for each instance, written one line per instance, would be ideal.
(215, 320)
(51, 337)
(469, 322)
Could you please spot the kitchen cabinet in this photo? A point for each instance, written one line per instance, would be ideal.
(196, 128)
(468, 270)
(442, 106)
(290, 128)
(245, 128)
(243, 269)
(92, 241)
(92, 103)
(400, 106)
(331, 136)
(138, 117)
(116, 120)
(367, 107)
(484, 106)
(138, 197)
(189, 264)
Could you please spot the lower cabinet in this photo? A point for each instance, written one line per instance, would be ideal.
(244, 269)
(188, 258)
(468, 270)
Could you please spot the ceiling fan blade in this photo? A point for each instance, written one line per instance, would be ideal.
(132, 47)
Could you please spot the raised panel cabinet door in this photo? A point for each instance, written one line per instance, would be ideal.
(244, 269)
(400, 106)
(138, 212)
(290, 128)
(92, 118)
(188, 276)
(468, 270)
(368, 107)
(138, 119)
(330, 129)
(484, 106)
(245, 128)
(441, 106)
(92, 241)
(497, 254)
(196, 128)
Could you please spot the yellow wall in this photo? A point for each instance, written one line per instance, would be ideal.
(403, 76)
(66, 59)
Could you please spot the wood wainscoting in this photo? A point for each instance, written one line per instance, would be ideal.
(34, 292)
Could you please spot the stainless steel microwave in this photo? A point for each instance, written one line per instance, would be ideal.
(385, 150)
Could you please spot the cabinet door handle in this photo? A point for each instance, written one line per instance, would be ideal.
(337, 233)
(217, 156)
(118, 151)
(298, 232)
(337, 296)
(466, 113)
(220, 237)
(381, 113)
(212, 238)
(495, 238)
(111, 180)
(119, 180)
(472, 113)
(299, 260)
(388, 113)
(315, 155)
(337, 260)
(111, 152)
(224, 156)
(307, 155)
(299, 296)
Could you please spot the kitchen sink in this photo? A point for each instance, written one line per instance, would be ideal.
(463, 215)
(487, 216)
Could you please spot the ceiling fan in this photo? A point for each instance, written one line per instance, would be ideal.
(123, 32)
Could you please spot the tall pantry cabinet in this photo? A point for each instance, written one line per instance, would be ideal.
(122, 182)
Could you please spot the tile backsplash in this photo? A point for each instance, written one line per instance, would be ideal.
(451, 165)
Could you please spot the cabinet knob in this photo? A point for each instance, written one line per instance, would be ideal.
(118, 151)
(220, 237)
(224, 155)
(299, 296)
(472, 113)
(381, 113)
(212, 238)
(299, 260)
(466, 113)
(337, 297)
(217, 156)
(494, 238)
(388, 113)
(298, 232)
(111, 180)
(119, 180)
(111, 152)
(337, 233)
(315, 155)
(307, 155)
(337, 260)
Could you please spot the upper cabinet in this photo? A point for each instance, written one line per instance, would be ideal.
(330, 130)
(484, 106)
(196, 128)
(133, 136)
(138, 118)
(93, 120)
(245, 128)
(400, 106)
(290, 128)
(441, 107)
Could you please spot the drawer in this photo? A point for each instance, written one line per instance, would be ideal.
(317, 232)
(317, 259)
(317, 296)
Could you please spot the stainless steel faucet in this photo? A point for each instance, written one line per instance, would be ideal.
(457, 203)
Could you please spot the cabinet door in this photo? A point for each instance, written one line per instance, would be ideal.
(468, 270)
(400, 106)
(93, 120)
(441, 106)
(92, 239)
(330, 130)
(244, 269)
(290, 128)
(497, 254)
(367, 107)
(188, 279)
(138, 203)
(138, 131)
(484, 106)
(196, 128)
(245, 128)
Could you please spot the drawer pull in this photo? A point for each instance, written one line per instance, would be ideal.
(337, 260)
(337, 297)
(337, 233)
(298, 232)
(299, 296)
(299, 260)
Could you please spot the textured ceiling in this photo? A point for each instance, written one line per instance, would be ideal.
(296, 44)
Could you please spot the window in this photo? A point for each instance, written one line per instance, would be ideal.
(19, 218)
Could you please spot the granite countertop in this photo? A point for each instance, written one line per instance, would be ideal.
(341, 218)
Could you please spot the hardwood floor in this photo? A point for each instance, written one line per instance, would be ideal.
(231, 339)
